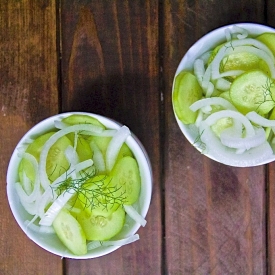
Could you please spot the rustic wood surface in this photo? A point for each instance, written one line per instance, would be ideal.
(118, 59)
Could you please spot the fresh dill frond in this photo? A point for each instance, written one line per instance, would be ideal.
(93, 191)
(199, 143)
(267, 93)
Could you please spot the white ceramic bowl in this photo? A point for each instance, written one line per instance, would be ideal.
(204, 44)
(51, 242)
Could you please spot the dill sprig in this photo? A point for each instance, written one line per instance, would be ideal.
(199, 143)
(267, 93)
(93, 191)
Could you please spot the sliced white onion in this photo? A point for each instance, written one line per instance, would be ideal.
(210, 89)
(206, 78)
(46, 198)
(114, 146)
(39, 228)
(59, 124)
(227, 34)
(223, 84)
(212, 101)
(243, 143)
(98, 158)
(205, 56)
(121, 242)
(258, 119)
(95, 244)
(213, 118)
(199, 118)
(26, 183)
(199, 69)
(28, 206)
(56, 207)
(206, 109)
(218, 151)
(241, 32)
(132, 212)
(228, 73)
(71, 155)
(252, 42)
(89, 129)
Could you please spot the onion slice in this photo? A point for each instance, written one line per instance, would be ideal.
(39, 228)
(132, 212)
(212, 101)
(56, 207)
(213, 118)
(258, 119)
(95, 244)
(243, 143)
(114, 146)
(98, 158)
(221, 153)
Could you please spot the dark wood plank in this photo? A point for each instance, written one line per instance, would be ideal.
(110, 67)
(271, 174)
(215, 214)
(28, 94)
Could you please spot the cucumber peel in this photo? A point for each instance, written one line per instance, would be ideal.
(70, 232)
(186, 91)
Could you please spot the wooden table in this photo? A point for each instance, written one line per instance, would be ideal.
(118, 59)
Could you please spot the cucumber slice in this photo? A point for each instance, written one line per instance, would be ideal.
(226, 95)
(126, 177)
(244, 61)
(57, 162)
(253, 91)
(240, 61)
(268, 39)
(70, 232)
(82, 119)
(186, 91)
(102, 228)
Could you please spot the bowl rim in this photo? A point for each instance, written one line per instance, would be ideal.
(46, 125)
(216, 36)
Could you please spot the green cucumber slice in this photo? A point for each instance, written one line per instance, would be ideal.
(253, 91)
(126, 177)
(102, 228)
(244, 61)
(82, 119)
(268, 39)
(70, 232)
(57, 162)
(186, 91)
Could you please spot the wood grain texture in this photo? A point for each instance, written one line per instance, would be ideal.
(28, 93)
(214, 214)
(270, 21)
(110, 67)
